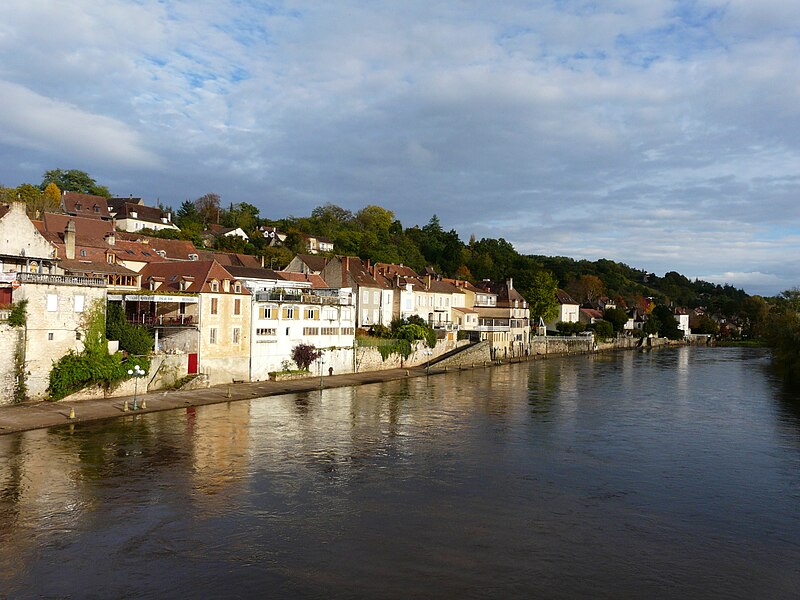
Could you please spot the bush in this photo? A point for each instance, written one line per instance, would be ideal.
(18, 314)
(132, 338)
(603, 329)
(570, 328)
(305, 354)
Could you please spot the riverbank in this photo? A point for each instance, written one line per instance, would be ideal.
(40, 415)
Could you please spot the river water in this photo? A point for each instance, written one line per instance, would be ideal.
(669, 474)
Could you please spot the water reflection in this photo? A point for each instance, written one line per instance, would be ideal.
(662, 474)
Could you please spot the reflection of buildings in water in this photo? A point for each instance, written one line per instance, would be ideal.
(682, 374)
(220, 440)
(37, 489)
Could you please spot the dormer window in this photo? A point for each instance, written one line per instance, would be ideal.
(214, 285)
(237, 287)
(83, 252)
(96, 208)
(110, 258)
(193, 257)
(153, 285)
(78, 206)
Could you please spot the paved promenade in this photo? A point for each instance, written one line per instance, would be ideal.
(39, 415)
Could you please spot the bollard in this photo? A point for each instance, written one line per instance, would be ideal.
(144, 403)
(71, 413)
(125, 407)
(228, 395)
(406, 372)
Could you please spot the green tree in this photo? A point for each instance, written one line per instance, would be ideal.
(541, 296)
(668, 324)
(603, 329)
(73, 181)
(617, 317)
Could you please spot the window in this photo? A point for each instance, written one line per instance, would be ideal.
(77, 335)
(83, 252)
(312, 313)
(50, 336)
(366, 296)
(52, 303)
(79, 302)
(310, 330)
(269, 312)
(214, 305)
(212, 335)
(237, 306)
(110, 258)
(266, 331)
(236, 335)
(348, 331)
(330, 331)
(288, 312)
(214, 285)
(237, 287)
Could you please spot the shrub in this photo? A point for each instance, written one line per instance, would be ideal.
(18, 314)
(305, 354)
(603, 329)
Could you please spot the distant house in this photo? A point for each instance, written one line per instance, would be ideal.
(85, 205)
(132, 215)
(307, 263)
(272, 234)
(682, 317)
(568, 310)
(317, 243)
(590, 315)
(216, 231)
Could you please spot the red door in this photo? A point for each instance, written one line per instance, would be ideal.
(193, 364)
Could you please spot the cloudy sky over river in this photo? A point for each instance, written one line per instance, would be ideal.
(662, 134)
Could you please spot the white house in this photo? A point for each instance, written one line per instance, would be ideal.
(568, 310)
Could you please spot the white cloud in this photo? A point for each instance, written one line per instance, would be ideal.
(657, 133)
(43, 124)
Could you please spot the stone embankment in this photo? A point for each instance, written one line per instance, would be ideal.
(91, 406)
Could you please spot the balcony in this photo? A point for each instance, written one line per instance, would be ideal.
(281, 297)
(48, 279)
(167, 320)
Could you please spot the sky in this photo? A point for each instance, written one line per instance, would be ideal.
(661, 134)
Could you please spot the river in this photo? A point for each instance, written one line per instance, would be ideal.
(666, 474)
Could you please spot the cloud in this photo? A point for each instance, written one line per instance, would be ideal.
(36, 122)
(663, 134)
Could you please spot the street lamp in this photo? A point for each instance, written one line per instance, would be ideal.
(136, 372)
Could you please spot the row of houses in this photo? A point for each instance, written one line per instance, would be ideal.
(228, 315)
(570, 311)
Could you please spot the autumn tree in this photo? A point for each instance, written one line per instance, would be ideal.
(305, 354)
(52, 197)
(208, 209)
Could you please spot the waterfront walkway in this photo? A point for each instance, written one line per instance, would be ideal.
(40, 415)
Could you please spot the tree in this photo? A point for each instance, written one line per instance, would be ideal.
(603, 329)
(73, 181)
(587, 288)
(52, 197)
(668, 324)
(305, 354)
(541, 296)
(617, 317)
(207, 207)
(187, 214)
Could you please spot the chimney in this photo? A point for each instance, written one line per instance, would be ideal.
(510, 284)
(111, 238)
(428, 281)
(69, 240)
